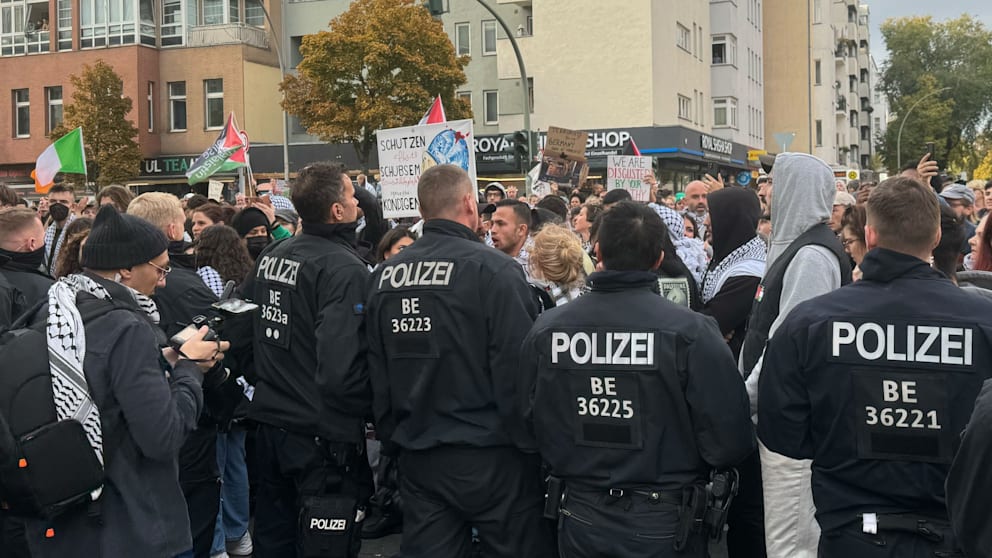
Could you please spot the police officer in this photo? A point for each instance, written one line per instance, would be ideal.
(445, 319)
(875, 381)
(635, 399)
(313, 393)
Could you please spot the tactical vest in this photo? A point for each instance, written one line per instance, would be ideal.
(765, 308)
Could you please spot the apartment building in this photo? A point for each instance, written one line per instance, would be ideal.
(823, 98)
(737, 73)
(185, 65)
(640, 69)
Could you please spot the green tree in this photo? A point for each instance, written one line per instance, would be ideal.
(926, 56)
(99, 105)
(378, 66)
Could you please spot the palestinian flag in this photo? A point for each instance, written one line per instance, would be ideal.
(631, 148)
(65, 155)
(435, 114)
(227, 153)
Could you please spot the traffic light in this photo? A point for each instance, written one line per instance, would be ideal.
(521, 149)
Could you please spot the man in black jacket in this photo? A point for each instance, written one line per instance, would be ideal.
(634, 400)
(313, 393)
(874, 383)
(22, 252)
(445, 320)
(182, 297)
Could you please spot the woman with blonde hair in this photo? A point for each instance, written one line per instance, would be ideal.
(556, 263)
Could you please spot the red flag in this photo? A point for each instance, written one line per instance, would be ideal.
(435, 114)
(632, 149)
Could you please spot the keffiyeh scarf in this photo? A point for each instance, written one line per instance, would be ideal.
(748, 259)
(67, 351)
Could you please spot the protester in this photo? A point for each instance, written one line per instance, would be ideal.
(977, 188)
(842, 201)
(288, 219)
(805, 260)
(852, 236)
(393, 242)
(827, 392)
(466, 459)
(695, 205)
(116, 195)
(947, 254)
(981, 247)
(962, 200)
(626, 473)
(183, 296)
(207, 215)
(62, 202)
(494, 192)
(23, 283)
(70, 257)
(147, 406)
(511, 228)
(8, 197)
(582, 224)
(969, 483)
(253, 227)
(614, 197)
(690, 227)
(557, 264)
(691, 251)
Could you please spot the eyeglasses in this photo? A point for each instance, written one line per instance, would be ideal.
(848, 241)
(162, 271)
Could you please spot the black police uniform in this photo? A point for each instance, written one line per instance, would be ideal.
(634, 400)
(445, 319)
(874, 382)
(312, 394)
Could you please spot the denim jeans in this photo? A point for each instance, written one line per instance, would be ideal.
(232, 521)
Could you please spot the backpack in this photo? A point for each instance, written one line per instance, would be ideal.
(47, 466)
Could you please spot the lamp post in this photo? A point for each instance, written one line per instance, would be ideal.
(525, 85)
(908, 112)
(282, 71)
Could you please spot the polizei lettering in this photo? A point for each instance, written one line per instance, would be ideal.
(278, 270)
(324, 524)
(417, 274)
(928, 344)
(610, 348)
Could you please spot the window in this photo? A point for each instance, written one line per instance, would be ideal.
(463, 37)
(489, 37)
(817, 74)
(177, 106)
(65, 24)
(22, 113)
(701, 109)
(151, 106)
(695, 116)
(683, 38)
(685, 107)
(213, 90)
(491, 108)
(725, 49)
(817, 11)
(725, 113)
(254, 13)
(53, 96)
(213, 12)
(465, 96)
(233, 11)
(530, 25)
(172, 22)
(819, 133)
(115, 22)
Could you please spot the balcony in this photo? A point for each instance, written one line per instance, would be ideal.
(228, 34)
(840, 106)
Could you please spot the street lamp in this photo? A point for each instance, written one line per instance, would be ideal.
(282, 72)
(523, 78)
(908, 112)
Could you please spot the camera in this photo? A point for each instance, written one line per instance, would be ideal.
(231, 308)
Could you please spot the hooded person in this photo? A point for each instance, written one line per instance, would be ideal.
(254, 228)
(691, 251)
(805, 260)
(137, 403)
(727, 292)
(494, 192)
(683, 264)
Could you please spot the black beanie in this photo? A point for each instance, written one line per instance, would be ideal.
(120, 241)
(248, 219)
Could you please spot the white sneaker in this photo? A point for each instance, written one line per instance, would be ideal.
(220, 555)
(240, 547)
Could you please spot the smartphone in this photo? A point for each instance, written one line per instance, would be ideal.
(929, 148)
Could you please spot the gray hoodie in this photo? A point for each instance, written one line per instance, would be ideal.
(802, 196)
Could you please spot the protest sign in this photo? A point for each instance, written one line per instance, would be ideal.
(405, 153)
(564, 160)
(627, 172)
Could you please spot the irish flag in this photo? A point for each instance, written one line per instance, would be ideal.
(65, 155)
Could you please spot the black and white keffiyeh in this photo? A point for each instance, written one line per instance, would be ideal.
(67, 351)
(748, 259)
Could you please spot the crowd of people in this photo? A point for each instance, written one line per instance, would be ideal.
(508, 375)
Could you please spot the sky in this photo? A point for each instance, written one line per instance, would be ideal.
(938, 9)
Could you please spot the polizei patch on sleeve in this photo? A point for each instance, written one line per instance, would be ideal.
(607, 409)
(902, 415)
